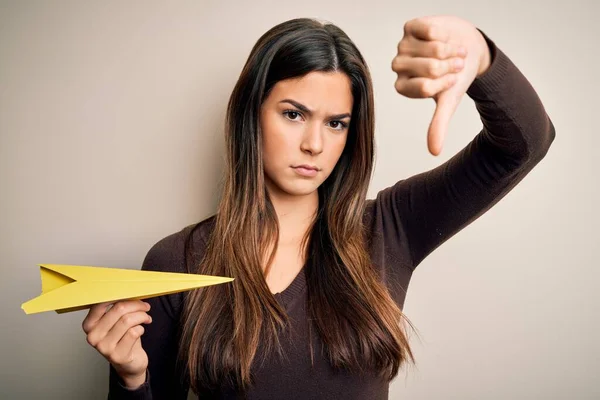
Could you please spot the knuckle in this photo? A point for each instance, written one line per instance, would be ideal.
(403, 47)
(399, 64)
(120, 308)
(92, 340)
(441, 50)
(127, 319)
(399, 86)
(435, 68)
(447, 67)
(133, 332)
(432, 30)
(103, 349)
(426, 89)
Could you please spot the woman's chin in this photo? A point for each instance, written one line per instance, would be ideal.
(300, 188)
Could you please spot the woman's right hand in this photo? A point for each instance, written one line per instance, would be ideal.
(115, 333)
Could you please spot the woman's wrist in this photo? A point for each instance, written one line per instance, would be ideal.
(134, 382)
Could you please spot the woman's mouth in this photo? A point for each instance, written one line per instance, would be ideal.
(306, 170)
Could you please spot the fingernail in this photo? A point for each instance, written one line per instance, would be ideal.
(462, 51)
(458, 63)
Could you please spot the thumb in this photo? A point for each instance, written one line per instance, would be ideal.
(446, 105)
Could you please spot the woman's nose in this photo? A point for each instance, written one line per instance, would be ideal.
(312, 141)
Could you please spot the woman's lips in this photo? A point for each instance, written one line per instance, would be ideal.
(306, 171)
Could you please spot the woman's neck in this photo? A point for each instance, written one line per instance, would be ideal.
(295, 215)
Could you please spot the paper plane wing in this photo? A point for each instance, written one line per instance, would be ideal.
(68, 288)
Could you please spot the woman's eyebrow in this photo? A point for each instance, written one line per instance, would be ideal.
(306, 110)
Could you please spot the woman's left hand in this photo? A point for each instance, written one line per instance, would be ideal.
(439, 57)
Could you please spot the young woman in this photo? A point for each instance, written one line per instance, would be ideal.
(320, 272)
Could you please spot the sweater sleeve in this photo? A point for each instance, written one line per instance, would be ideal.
(160, 339)
(420, 213)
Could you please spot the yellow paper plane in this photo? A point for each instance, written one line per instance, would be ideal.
(67, 288)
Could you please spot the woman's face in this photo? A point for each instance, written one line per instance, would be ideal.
(304, 123)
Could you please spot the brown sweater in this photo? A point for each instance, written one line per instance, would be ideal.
(406, 221)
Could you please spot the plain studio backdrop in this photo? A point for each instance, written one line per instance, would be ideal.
(111, 137)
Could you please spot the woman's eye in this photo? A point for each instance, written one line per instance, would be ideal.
(339, 125)
(296, 116)
(291, 114)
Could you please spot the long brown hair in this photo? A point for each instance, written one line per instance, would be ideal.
(353, 313)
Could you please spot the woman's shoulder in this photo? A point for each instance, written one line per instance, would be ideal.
(180, 251)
